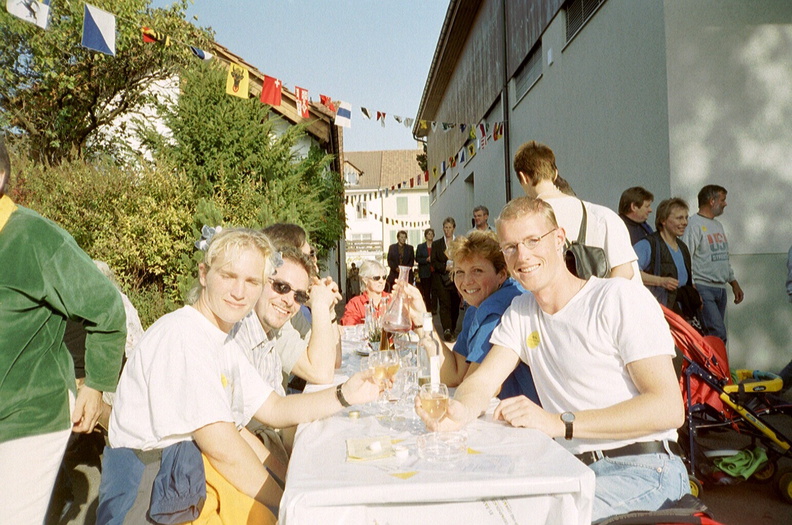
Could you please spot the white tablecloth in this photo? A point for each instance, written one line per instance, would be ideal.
(518, 476)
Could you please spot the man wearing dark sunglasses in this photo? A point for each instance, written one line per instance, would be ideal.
(272, 335)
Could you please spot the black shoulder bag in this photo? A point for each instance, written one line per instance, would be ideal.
(583, 260)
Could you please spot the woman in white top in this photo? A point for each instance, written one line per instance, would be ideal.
(182, 384)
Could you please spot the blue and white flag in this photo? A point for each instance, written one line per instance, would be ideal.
(35, 12)
(344, 115)
(200, 53)
(99, 28)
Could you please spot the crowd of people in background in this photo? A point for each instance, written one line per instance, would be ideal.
(209, 396)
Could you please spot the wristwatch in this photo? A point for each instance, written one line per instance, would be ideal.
(340, 396)
(568, 418)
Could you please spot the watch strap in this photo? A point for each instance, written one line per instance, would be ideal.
(340, 396)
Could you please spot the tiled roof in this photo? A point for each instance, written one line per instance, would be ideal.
(382, 169)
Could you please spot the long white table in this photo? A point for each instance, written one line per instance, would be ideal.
(515, 476)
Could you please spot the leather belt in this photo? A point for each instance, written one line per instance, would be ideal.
(635, 449)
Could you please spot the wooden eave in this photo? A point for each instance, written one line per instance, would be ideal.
(459, 19)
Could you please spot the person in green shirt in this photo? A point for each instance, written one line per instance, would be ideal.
(45, 279)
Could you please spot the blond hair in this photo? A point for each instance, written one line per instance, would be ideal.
(232, 240)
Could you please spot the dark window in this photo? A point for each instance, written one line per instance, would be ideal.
(529, 72)
(577, 14)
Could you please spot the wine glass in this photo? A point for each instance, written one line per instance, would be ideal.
(434, 401)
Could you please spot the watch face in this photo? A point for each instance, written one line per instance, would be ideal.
(567, 417)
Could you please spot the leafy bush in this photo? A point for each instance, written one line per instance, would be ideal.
(138, 222)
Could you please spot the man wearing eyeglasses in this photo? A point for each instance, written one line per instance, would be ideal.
(600, 354)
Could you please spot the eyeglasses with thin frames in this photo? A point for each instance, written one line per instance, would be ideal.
(282, 288)
(530, 243)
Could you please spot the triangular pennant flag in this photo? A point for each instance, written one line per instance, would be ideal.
(426, 176)
(434, 126)
(365, 113)
(443, 167)
(452, 161)
(408, 122)
(30, 11)
(237, 81)
(302, 101)
(472, 134)
(344, 115)
(200, 53)
(462, 156)
(327, 102)
(423, 125)
(99, 28)
(482, 130)
(471, 149)
(381, 118)
(150, 36)
(434, 173)
(462, 127)
(398, 119)
(271, 91)
(447, 126)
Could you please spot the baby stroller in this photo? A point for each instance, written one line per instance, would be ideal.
(714, 402)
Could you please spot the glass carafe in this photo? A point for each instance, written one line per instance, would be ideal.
(397, 316)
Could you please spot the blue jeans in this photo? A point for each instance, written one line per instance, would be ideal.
(714, 310)
(642, 482)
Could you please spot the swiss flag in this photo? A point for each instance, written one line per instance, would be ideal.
(271, 91)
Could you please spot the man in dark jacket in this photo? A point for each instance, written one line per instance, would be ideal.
(400, 254)
(423, 252)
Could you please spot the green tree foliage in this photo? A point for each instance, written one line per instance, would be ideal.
(60, 94)
(244, 160)
(137, 222)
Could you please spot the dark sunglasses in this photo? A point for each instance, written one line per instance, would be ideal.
(281, 288)
(378, 277)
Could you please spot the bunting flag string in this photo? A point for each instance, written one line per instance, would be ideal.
(99, 34)
(366, 213)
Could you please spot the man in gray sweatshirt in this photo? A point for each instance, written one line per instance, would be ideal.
(709, 253)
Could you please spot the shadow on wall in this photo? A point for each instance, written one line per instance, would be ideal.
(760, 328)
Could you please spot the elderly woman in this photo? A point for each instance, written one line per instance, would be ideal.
(664, 259)
(372, 278)
(177, 430)
(480, 274)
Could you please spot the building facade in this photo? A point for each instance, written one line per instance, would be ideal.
(385, 192)
(665, 94)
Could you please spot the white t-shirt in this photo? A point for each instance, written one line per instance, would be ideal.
(604, 229)
(578, 355)
(250, 338)
(180, 378)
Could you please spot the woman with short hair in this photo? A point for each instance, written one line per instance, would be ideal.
(664, 259)
(372, 279)
(481, 277)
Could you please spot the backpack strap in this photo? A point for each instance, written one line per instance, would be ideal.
(583, 222)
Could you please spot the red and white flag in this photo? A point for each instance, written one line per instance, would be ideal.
(302, 101)
(271, 91)
(327, 102)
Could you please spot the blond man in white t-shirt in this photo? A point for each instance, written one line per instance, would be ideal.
(600, 353)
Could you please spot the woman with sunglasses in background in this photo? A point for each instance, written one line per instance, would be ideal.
(372, 277)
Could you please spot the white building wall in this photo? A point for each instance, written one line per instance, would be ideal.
(730, 105)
